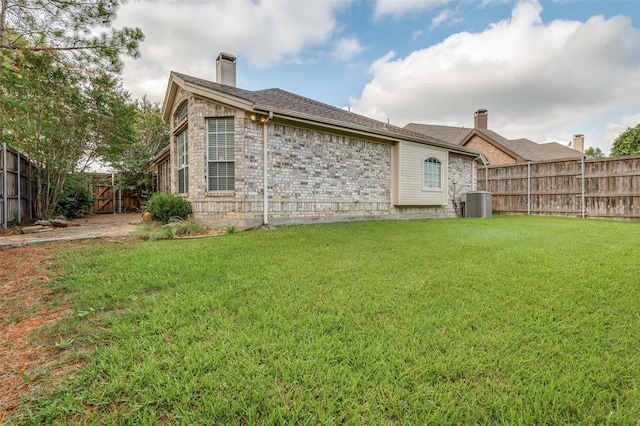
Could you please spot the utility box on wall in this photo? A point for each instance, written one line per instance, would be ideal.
(477, 204)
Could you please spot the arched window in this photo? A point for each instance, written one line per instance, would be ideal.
(182, 147)
(432, 173)
(181, 115)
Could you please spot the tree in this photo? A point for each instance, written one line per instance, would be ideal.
(151, 137)
(78, 31)
(594, 152)
(628, 143)
(60, 116)
(60, 102)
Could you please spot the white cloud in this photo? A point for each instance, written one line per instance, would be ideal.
(449, 16)
(535, 78)
(398, 8)
(188, 35)
(347, 48)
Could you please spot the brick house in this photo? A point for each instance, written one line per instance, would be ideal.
(496, 148)
(247, 158)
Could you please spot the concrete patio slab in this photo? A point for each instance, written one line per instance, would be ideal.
(92, 227)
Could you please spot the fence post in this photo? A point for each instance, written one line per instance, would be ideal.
(113, 186)
(5, 209)
(19, 185)
(583, 186)
(529, 188)
(486, 177)
(30, 189)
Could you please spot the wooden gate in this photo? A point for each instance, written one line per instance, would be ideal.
(109, 199)
(104, 196)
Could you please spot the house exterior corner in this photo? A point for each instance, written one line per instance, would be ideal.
(316, 171)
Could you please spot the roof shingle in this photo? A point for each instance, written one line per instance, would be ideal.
(525, 148)
(297, 104)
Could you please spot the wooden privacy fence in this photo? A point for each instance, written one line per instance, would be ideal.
(17, 197)
(599, 188)
(111, 199)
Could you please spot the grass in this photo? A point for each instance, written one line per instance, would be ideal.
(517, 320)
(158, 231)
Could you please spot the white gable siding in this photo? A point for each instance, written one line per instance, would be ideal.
(411, 191)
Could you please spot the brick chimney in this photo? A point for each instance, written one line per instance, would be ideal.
(481, 119)
(226, 69)
(578, 142)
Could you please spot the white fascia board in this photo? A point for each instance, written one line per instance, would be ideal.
(169, 97)
(219, 97)
(203, 92)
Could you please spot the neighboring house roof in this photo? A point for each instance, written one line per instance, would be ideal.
(549, 150)
(450, 134)
(289, 105)
(519, 149)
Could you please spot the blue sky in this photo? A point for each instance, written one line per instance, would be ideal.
(544, 69)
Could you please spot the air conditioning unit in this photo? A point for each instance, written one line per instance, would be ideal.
(476, 204)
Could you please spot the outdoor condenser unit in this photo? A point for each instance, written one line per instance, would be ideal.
(476, 204)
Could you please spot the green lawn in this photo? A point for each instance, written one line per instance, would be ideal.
(518, 320)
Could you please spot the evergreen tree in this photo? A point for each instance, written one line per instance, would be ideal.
(79, 31)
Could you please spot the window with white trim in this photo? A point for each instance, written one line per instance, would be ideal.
(182, 140)
(432, 173)
(220, 154)
(182, 113)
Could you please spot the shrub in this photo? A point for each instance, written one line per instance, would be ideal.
(186, 227)
(166, 206)
(76, 199)
(153, 232)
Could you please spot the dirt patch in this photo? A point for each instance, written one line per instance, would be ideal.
(27, 363)
(30, 362)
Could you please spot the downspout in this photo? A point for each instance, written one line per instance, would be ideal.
(265, 203)
(486, 173)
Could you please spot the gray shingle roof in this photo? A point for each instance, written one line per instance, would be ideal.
(283, 100)
(532, 151)
(450, 134)
(525, 148)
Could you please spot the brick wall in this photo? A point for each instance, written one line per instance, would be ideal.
(312, 176)
(493, 154)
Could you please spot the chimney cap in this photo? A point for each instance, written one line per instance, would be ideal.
(481, 119)
(226, 69)
(226, 56)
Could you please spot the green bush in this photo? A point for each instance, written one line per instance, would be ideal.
(166, 206)
(186, 227)
(76, 199)
(153, 232)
